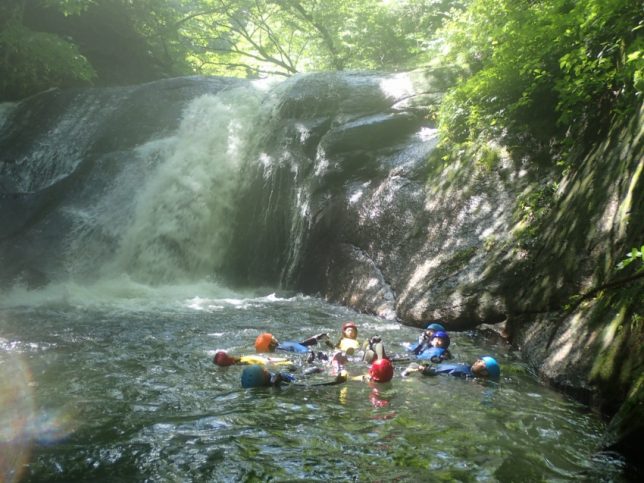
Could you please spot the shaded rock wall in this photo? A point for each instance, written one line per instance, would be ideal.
(443, 243)
(595, 349)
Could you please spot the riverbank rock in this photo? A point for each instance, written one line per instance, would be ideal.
(395, 232)
(473, 244)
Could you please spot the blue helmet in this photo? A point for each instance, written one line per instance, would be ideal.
(493, 368)
(435, 326)
(254, 376)
(441, 334)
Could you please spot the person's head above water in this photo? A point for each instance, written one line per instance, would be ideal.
(381, 371)
(486, 366)
(435, 327)
(430, 330)
(440, 339)
(255, 376)
(350, 330)
(223, 359)
(266, 343)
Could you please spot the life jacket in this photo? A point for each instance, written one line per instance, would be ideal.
(347, 344)
(292, 347)
(416, 347)
(458, 370)
(434, 354)
(253, 359)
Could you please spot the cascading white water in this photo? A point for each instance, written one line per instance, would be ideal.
(181, 223)
(158, 202)
(164, 214)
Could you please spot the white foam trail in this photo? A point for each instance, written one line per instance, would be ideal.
(122, 292)
(125, 293)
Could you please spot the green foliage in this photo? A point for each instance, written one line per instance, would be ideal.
(244, 38)
(532, 207)
(34, 61)
(542, 71)
(264, 37)
(634, 254)
(70, 7)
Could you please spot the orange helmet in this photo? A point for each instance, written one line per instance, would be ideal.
(265, 343)
(382, 370)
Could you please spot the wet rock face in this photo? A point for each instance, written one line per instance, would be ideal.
(395, 236)
(344, 208)
(429, 244)
(333, 138)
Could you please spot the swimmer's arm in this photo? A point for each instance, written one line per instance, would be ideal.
(424, 369)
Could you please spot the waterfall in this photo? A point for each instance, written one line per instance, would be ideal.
(181, 223)
(190, 179)
(124, 181)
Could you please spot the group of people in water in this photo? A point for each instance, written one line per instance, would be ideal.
(427, 356)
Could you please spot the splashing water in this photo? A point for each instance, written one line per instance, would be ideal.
(179, 227)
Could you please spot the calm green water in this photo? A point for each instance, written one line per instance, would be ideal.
(126, 391)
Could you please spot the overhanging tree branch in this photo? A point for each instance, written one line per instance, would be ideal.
(322, 30)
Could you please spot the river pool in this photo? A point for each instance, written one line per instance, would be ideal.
(125, 390)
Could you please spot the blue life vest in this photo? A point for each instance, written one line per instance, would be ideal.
(416, 347)
(292, 347)
(281, 377)
(458, 370)
(434, 354)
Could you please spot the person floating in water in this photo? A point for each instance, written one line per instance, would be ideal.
(267, 342)
(349, 338)
(437, 350)
(258, 376)
(425, 338)
(434, 327)
(485, 367)
(223, 359)
(381, 370)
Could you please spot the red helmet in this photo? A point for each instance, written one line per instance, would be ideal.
(346, 325)
(382, 370)
(223, 359)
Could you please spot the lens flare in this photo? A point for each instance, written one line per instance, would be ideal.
(21, 425)
(16, 413)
